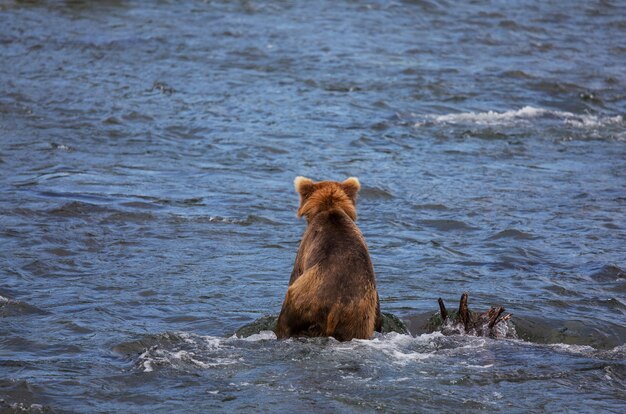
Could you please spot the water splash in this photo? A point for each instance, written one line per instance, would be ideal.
(524, 114)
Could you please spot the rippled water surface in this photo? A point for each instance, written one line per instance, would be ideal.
(147, 153)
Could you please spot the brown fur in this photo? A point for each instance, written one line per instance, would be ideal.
(332, 290)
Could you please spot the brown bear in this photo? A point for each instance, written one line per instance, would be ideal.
(332, 290)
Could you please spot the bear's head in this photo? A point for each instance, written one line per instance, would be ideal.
(316, 197)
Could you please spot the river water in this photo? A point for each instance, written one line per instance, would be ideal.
(147, 154)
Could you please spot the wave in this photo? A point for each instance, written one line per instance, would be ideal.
(588, 121)
(188, 352)
(247, 221)
(183, 351)
(12, 307)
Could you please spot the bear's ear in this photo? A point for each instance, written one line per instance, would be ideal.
(304, 186)
(351, 186)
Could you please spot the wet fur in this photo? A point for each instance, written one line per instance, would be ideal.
(332, 290)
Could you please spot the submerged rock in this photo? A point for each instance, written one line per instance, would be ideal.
(492, 323)
(391, 323)
(266, 323)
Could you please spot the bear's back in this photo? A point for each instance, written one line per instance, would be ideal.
(333, 242)
(332, 291)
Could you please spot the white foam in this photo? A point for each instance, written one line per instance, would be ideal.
(403, 379)
(478, 366)
(574, 349)
(184, 351)
(587, 121)
(397, 347)
(25, 408)
(593, 121)
(218, 219)
(355, 378)
(207, 352)
(261, 336)
(180, 360)
(490, 117)
(430, 336)
(402, 357)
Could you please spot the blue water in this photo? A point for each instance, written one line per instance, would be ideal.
(147, 154)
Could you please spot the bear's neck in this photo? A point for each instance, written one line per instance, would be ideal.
(327, 202)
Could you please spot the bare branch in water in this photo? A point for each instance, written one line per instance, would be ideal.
(473, 323)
